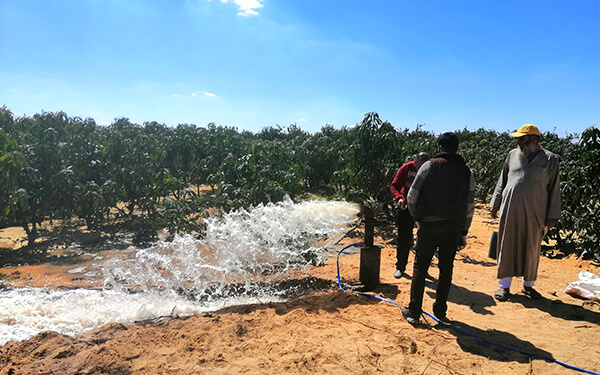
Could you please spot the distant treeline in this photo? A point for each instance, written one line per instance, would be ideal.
(152, 176)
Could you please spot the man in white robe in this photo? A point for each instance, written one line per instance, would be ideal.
(527, 196)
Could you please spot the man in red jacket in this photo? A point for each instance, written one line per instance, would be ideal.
(404, 221)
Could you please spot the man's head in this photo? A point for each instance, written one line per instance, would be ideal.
(448, 142)
(528, 138)
(421, 158)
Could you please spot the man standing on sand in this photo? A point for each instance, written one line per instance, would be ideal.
(442, 201)
(404, 220)
(528, 197)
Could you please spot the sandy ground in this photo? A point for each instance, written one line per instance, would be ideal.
(334, 331)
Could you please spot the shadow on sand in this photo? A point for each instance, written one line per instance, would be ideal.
(558, 308)
(480, 303)
(497, 345)
(68, 245)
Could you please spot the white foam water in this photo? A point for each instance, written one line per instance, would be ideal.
(28, 311)
(244, 255)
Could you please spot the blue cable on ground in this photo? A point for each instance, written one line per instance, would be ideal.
(362, 294)
(455, 328)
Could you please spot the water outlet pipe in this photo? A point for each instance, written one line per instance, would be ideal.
(370, 254)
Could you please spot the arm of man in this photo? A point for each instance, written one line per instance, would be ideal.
(553, 212)
(496, 201)
(470, 210)
(396, 187)
(415, 189)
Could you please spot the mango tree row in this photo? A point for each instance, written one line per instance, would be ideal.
(153, 176)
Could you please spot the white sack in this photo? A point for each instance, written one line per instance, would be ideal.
(587, 287)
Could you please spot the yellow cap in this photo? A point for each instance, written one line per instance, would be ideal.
(527, 129)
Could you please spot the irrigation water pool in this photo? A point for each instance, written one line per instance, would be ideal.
(244, 255)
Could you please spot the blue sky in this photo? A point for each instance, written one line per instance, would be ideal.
(255, 63)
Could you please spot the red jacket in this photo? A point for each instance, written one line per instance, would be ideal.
(403, 180)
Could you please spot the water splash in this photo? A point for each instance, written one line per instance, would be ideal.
(245, 254)
(29, 311)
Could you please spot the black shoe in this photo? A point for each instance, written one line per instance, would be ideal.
(442, 318)
(410, 316)
(502, 294)
(531, 293)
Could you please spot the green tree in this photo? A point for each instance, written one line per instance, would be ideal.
(484, 151)
(12, 163)
(264, 173)
(319, 158)
(374, 161)
(578, 229)
(46, 185)
(185, 153)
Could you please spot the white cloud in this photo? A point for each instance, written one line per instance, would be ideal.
(195, 94)
(248, 12)
(205, 94)
(301, 120)
(246, 7)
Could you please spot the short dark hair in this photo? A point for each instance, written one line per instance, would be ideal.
(449, 142)
(422, 156)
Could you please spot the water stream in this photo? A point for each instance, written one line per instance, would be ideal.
(245, 256)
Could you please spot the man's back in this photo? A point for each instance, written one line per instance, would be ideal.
(444, 190)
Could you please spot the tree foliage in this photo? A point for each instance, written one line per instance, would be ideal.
(579, 226)
(151, 176)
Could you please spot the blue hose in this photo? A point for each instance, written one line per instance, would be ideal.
(455, 328)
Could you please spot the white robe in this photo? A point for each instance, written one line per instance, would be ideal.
(527, 194)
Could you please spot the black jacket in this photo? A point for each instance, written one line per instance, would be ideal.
(444, 191)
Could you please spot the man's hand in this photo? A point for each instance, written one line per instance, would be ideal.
(401, 203)
(494, 213)
(550, 223)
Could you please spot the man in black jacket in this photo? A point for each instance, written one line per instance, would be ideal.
(441, 200)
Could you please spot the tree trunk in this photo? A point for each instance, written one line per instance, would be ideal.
(32, 233)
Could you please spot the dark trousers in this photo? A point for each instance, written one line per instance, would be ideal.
(404, 241)
(442, 235)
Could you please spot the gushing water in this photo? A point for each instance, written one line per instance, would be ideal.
(244, 255)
